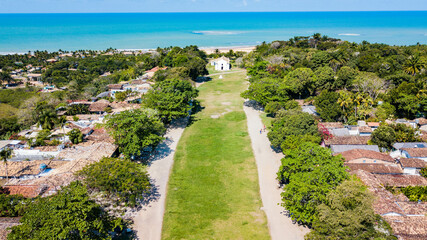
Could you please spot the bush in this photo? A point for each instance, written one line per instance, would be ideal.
(416, 193)
(75, 136)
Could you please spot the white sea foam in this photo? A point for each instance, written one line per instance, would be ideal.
(217, 32)
(349, 34)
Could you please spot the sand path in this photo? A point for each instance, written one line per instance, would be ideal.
(149, 220)
(268, 163)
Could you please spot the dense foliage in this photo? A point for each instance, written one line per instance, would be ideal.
(75, 136)
(291, 123)
(415, 193)
(134, 130)
(12, 205)
(70, 214)
(126, 180)
(347, 214)
(171, 98)
(310, 173)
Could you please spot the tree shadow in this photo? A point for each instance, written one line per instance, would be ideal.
(203, 79)
(253, 104)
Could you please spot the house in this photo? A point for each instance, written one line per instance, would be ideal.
(340, 132)
(99, 107)
(34, 77)
(400, 145)
(330, 125)
(401, 180)
(221, 64)
(412, 166)
(366, 156)
(422, 123)
(365, 131)
(373, 125)
(114, 88)
(343, 148)
(420, 153)
(375, 168)
(27, 191)
(347, 140)
(13, 144)
(310, 109)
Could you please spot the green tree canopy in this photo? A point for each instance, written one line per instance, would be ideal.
(327, 106)
(301, 81)
(171, 98)
(75, 136)
(345, 78)
(384, 137)
(325, 78)
(133, 130)
(126, 180)
(347, 214)
(310, 173)
(70, 214)
(266, 90)
(291, 123)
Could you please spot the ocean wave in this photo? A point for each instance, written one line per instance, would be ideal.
(217, 32)
(349, 34)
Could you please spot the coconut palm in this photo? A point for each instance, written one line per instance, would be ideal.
(5, 154)
(346, 102)
(414, 64)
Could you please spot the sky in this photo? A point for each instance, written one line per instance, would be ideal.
(92, 6)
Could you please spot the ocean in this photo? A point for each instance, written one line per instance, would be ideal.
(98, 31)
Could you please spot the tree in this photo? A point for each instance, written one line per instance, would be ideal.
(320, 59)
(345, 77)
(134, 130)
(75, 136)
(325, 78)
(301, 81)
(414, 64)
(126, 180)
(404, 133)
(70, 214)
(384, 136)
(291, 122)
(171, 98)
(5, 154)
(293, 142)
(369, 83)
(310, 172)
(266, 90)
(327, 106)
(348, 214)
(273, 107)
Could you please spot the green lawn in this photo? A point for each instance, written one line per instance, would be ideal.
(213, 190)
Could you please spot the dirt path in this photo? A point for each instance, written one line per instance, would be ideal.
(149, 220)
(268, 162)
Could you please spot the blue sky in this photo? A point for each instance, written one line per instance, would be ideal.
(70, 6)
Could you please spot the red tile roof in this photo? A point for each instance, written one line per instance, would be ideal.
(416, 152)
(401, 180)
(375, 168)
(362, 153)
(28, 191)
(330, 125)
(373, 124)
(413, 163)
(365, 129)
(348, 140)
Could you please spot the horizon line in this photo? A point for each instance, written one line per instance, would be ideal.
(297, 11)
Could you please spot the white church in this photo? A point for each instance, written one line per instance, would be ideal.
(221, 64)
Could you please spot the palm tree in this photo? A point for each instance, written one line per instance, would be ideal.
(5, 154)
(413, 65)
(346, 102)
(47, 119)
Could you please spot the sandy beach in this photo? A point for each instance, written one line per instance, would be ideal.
(210, 50)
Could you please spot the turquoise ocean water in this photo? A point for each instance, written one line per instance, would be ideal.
(24, 32)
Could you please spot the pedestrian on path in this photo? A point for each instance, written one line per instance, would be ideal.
(260, 131)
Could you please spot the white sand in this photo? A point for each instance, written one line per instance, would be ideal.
(210, 50)
(268, 162)
(149, 220)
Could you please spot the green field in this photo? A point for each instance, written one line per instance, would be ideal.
(213, 190)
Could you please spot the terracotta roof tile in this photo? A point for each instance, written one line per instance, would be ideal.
(330, 124)
(98, 107)
(373, 124)
(362, 153)
(28, 191)
(348, 140)
(416, 152)
(413, 162)
(365, 129)
(375, 168)
(401, 180)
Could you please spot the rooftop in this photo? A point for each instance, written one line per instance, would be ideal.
(401, 180)
(343, 148)
(375, 168)
(416, 152)
(362, 153)
(413, 163)
(348, 140)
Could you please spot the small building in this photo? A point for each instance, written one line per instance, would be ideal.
(115, 88)
(310, 109)
(400, 145)
(412, 166)
(99, 107)
(340, 132)
(373, 125)
(221, 64)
